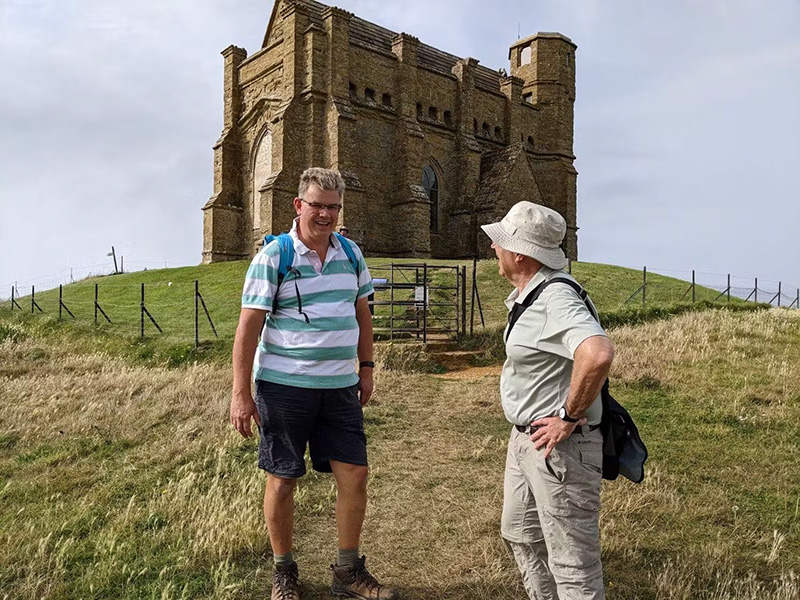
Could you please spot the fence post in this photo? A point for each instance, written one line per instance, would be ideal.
(644, 284)
(141, 311)
(463, 300)
(797, 299)
(693, 287)
(425, 303)
(196, 316)
(391, 301)
(471, 297)
(755, 291)
(729, 287)
(60, 292)
(13, 299)
(95, 304)
(33, 294)
(458, 298)
(779, 294)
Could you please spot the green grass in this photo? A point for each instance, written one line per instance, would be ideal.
(169, 297)
(119, 480)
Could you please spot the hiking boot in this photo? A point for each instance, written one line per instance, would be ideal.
(356, 582)
(284, 583)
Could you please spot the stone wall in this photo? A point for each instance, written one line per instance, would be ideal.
(329, 89)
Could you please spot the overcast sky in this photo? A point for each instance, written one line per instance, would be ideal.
(687, 129)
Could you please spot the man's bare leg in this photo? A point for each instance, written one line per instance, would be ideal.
(351, 502)
(350, 576)
(279, 513)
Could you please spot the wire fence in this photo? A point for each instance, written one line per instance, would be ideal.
(728, 287)
(190, 309)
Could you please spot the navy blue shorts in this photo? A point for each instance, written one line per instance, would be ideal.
(330, 421)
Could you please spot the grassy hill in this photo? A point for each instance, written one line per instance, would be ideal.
(119, 480)
(169, 297)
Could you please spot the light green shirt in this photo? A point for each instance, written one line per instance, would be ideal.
(536, 375)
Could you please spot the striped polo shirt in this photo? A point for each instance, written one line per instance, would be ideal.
(322, 352)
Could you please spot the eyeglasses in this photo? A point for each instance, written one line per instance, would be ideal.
(319, 207)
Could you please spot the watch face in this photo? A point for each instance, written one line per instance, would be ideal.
(562, 413)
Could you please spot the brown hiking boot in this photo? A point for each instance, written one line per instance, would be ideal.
(284, 583)
(356, 582)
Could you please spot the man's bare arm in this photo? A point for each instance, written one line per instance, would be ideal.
(364, 318)
(244, 349)
(592, 361)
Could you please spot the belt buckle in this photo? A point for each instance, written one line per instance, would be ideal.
(526, 429)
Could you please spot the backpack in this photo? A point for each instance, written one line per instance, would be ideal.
(624, 452)
(287, 258)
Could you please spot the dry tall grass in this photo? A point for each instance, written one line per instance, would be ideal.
(125, 482)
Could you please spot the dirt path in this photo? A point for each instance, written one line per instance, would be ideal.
(472, 373)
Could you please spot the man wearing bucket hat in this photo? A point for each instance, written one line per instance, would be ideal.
(558, 357)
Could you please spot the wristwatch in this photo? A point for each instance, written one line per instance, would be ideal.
(366, 363)
(562, 414)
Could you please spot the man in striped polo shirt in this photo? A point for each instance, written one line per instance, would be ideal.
(307, 390)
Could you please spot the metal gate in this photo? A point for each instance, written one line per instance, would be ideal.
(419, 301)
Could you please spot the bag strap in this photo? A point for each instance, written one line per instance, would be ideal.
(519, 308)
(286, 258)
(348, 250)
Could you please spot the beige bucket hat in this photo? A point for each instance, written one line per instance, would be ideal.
(531, 230)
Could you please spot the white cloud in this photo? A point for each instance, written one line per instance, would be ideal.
(687, 122)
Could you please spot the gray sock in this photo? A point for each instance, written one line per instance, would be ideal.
(347, 558)
(281, 560)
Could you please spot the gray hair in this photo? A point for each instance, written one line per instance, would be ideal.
(324, 179)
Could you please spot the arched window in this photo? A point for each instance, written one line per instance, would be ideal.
(525, 55)
(262, 169)
(431, 184)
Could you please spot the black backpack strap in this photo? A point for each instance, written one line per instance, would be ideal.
(519, 308)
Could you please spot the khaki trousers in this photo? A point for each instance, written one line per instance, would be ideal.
(550, 516)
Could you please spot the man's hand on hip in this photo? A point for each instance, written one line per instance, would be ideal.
(242, 410)
(552, 430)
(365, 385)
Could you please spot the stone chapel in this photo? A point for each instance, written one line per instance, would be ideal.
(430, 145)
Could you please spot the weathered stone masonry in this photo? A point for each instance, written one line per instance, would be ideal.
(330, 89)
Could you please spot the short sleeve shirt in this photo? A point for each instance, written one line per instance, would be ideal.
(536, 376)
(320, 353)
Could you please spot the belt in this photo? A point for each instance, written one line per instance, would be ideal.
(529, 429)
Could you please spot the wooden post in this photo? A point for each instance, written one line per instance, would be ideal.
(197, 316)
(693, 287)
(60, 292)
(424, 303)
(644, 285)
(391, 303)
(463, 300)
(458, 296)
(95, 304)
(755, 291)
(779, 294)
(471, 299)
(141, 311)
(729, 287)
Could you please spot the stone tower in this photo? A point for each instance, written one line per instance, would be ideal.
(430, 145)
(546, 64)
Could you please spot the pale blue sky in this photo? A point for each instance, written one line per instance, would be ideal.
(687, 126)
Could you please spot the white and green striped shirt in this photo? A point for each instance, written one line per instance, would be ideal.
(322, 352)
